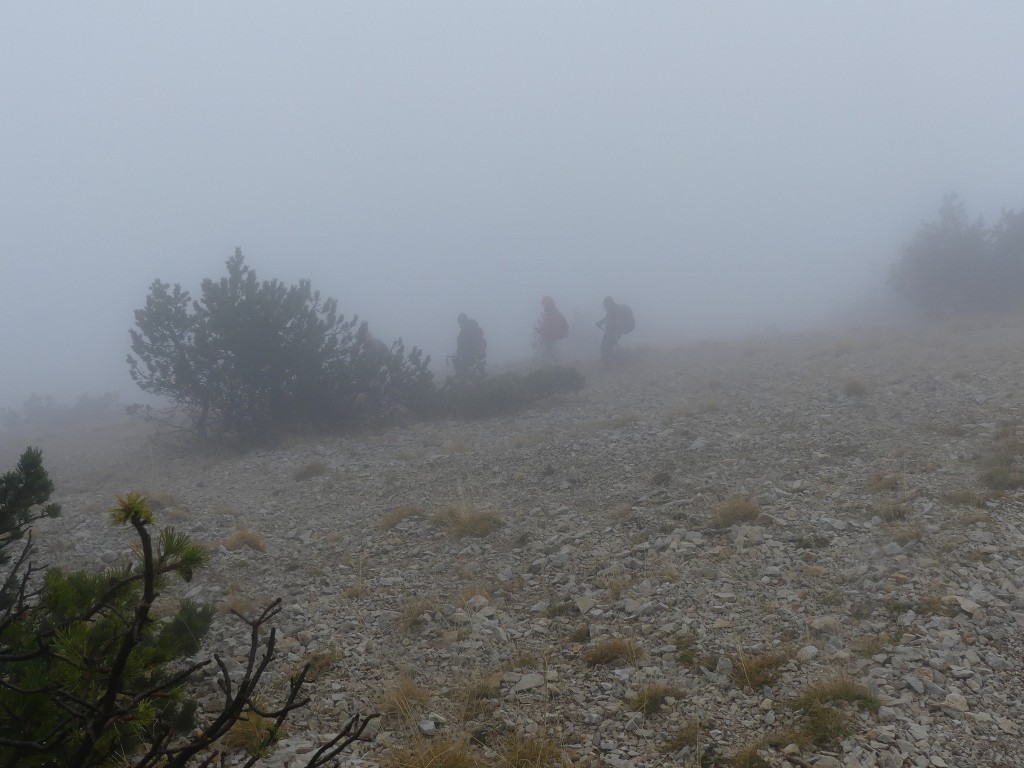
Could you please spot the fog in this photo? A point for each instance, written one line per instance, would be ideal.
(723, 168)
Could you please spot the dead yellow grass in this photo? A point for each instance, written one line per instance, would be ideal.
(904, 534)
(412, 612)
(739, 509)
(529, 752)
(461, 521)
(610, 651)
(620, 512)
(965, 497)
(884, 482)
(481, 697)
(245, 537)
(470, 591)
(651, 698)
(692, 734)
(398, 514)
(437, 753)
(757, 670)
(894, 512)
(841, 688)
(319, 663)
(252, 733)
(402, 697)
(359, 589)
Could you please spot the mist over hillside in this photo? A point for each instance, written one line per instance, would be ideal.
(724, 169)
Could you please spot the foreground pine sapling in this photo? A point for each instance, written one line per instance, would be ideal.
(89, 676)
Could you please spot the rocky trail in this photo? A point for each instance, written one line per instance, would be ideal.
(803, 550)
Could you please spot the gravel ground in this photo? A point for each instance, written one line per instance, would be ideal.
(733, 524)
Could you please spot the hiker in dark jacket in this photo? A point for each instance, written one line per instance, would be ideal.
(470, 349)
(617, 322)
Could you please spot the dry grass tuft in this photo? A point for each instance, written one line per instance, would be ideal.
(560, 608)
(412, 613)
(470, 591)
(580, 634)
(481, 697)
(686, 648)
(932, 605)
(894, 511)
(245, 537)
(757, 670)
(236, 602)
(253, 733)
(651, 698)
(739, 509)
(905, 534)
(822, 724)
(975, 517)
(529, 752)
(966, 497)
(882, 482)
(461, 522)
(692, 734)
(315, 468)
(870, 644)
(748, 757)
(226, 509)
(359, 589)
(620, 512)
(401, 698)
(1003, 478)
(437, 753)
(398, 514)
(320, 662)
(1003, 470)
(611, 651)
(841, 688)
(617, 584)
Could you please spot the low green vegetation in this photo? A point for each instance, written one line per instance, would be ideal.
(251, 361)
(89, 677)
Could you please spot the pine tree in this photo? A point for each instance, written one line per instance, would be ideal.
(89, 677)
(253, 358)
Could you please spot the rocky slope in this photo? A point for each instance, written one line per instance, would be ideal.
(870, 552)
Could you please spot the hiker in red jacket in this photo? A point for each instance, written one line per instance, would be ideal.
(551, 328)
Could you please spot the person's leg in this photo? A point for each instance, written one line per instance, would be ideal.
(607, 343)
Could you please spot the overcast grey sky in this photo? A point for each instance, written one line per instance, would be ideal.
(718, 166)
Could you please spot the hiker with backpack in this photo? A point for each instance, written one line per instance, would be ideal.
(470, 349)
(616, 323)
(551, 328)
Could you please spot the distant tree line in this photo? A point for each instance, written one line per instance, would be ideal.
(956, 266)
(46, 413)
(251, 360)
